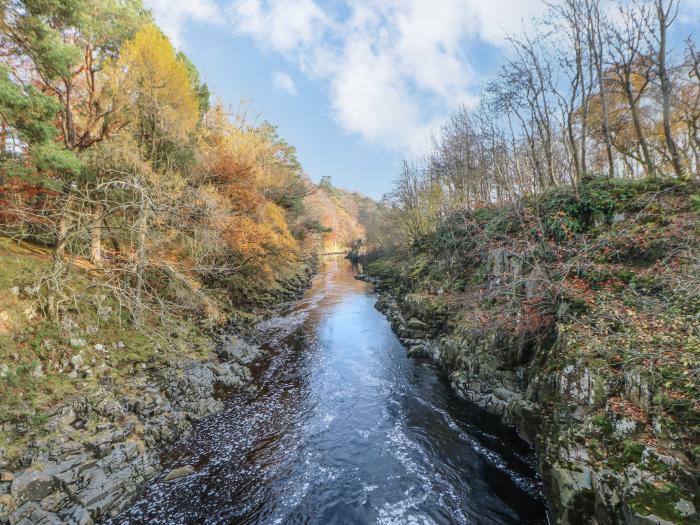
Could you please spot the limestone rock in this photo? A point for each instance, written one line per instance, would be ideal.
(180, 472)
(33, 486)
(78, 515)
(684, 507)
(651, 519)
(235, 349)
(77, 361)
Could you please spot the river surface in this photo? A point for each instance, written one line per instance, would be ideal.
(344, 428)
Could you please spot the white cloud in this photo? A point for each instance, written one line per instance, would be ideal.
(282, 25)
(394, 68)
(173, 15)
(497, 18)
(284, 82)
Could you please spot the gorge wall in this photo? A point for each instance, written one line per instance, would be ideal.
(587, 343)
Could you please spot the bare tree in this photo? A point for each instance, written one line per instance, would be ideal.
(594, 35)
(630, 63)
(666, 13)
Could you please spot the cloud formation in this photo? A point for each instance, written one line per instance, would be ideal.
(173, 15)
(393, 68)
(281, 25)
(283, 82)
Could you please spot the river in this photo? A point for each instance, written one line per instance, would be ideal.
(344, 428)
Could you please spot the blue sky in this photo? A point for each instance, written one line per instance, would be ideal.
(354, 85)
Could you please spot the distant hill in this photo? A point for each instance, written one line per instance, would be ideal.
(340, 216)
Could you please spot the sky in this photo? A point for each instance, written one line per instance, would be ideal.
(354, 85)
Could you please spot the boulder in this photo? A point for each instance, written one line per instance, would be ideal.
(235, 349)
(570, 491)
(684, 507)
(77, 361)
(33, 486)
(78, 515)
(64, 417)
(180, 472)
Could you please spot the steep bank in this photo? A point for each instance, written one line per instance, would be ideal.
(576, 319)
(89, 406)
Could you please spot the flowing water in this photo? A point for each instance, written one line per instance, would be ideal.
(344, 428)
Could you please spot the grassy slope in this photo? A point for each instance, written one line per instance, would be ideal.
(37, 357)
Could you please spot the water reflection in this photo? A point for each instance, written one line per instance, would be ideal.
(344, 428)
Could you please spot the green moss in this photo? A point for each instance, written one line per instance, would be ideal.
(695, 202)
(602, 423)
(659, 501)
(632, 452)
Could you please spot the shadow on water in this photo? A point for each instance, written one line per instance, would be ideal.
(342, 427)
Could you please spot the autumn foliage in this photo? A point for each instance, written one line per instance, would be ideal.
(112, 151)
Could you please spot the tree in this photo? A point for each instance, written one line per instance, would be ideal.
(596, 44)
(666, 13)
(29, 133)
(150, 80)
(632, 70)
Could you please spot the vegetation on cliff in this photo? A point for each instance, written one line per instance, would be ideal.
(600, 326)
(546, 252)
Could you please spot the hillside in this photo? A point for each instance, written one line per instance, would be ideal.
(344, 217)
(142, 224)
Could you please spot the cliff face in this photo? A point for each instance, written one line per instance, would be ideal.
(585, 339)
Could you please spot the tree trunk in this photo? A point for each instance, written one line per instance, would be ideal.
(666, 89)
(595, 42)
(141, 228)
(57, 265)
(634, 110)
(96, 234)
(606, 119)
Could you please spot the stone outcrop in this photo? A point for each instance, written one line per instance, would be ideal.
(103, 447)
(553, 407)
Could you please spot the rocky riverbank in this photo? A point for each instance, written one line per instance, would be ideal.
(605, 454)
(575, 317)
(88, 457)
(102, 447)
